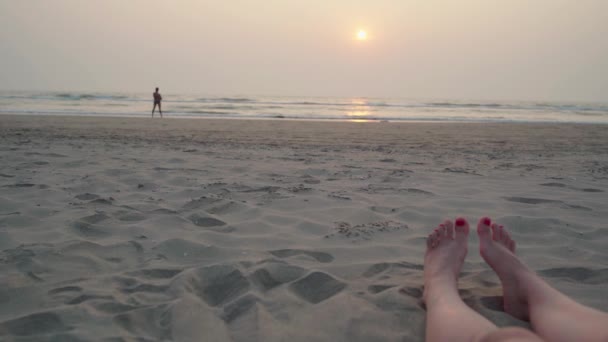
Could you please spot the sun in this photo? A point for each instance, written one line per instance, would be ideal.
(362, 35)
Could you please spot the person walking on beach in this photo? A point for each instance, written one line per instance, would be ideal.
(552, 315)
(157, 99)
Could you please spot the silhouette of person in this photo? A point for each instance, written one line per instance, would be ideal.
(157, 99)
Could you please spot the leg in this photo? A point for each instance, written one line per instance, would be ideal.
(448, 318)
(512, 335)
(553, 316)
(160, 111)
(153, 108)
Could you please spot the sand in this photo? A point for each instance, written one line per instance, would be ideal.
(233, 230)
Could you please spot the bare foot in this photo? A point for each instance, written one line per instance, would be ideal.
(445, 253)
(498, 250)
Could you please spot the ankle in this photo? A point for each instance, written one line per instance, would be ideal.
(440, 284)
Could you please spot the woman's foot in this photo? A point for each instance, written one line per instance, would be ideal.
(498, 250)
(445, 253)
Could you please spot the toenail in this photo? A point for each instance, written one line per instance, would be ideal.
(460, 222)
(487, 221)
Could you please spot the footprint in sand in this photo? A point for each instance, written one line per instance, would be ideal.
(578, 274)
(317, 287)
(87, 197)
(275, 274)
(240, 307)
(561, 185)
(211, 223)
(216, 285)
(43, 323)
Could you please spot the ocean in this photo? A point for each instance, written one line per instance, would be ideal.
(303, 108)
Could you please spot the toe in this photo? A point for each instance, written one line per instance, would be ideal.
(504, 236)
(505, 233)
(435, 237)
(442, 230)
(495, 232)
(483, 229)
(449, 226)
(461, 229)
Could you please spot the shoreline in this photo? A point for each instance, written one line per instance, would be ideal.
(280, 118)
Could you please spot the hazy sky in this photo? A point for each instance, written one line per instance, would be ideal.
(456, 49)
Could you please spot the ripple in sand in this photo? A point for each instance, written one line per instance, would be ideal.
(414, 292)
(418, 191)
(83, 298)
(65, 289)
(374, 289)
(393, 267)
(461, 170)
(318, 256)
(341, 195)
(527, 200)
(146, 288)
(554, 185)
(156, 273)
(112, 307)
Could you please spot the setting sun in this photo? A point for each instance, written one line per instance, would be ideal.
(361, 35)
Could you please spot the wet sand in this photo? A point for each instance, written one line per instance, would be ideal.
(236, 230)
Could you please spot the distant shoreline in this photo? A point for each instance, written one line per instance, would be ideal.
(169, 115)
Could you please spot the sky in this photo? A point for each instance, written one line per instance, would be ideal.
(554, 50)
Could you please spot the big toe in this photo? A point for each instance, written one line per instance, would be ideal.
(484, 230)
(461, 231)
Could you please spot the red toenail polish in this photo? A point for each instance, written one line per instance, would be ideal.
(487, 221)
(460, 222)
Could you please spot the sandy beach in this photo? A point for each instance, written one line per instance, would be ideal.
(125, 229)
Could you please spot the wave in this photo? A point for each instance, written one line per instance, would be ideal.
(226, 99)
(465, 105)
(85, 96)
(204, 112)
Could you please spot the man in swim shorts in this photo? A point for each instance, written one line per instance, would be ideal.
(157, 99)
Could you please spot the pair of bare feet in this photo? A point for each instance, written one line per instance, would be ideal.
(447, 248)
(553, 316)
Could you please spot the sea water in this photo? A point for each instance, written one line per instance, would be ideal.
(307, 108)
